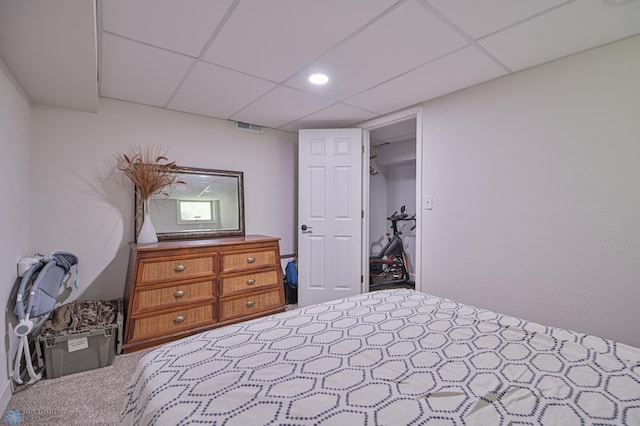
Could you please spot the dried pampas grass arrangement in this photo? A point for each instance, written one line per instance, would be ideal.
(148, 168)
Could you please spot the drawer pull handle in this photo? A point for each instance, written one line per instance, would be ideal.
(251, 281)
(251, 259)
(251, 304)
(179, 319)
(179, 268)
(178, 293)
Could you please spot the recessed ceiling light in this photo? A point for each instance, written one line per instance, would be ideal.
(318, 78)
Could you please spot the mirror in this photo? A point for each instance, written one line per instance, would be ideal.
(202, 203)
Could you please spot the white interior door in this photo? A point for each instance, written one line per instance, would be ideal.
(329, 214)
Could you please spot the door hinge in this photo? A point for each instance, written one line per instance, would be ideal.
(361, 279)
(362, 214)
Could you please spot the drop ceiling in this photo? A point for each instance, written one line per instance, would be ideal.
(248, 60)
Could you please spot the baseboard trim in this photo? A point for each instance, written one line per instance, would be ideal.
(5, 396)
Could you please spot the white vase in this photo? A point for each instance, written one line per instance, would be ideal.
(147, 234)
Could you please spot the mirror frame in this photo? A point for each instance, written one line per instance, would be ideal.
(139, 208)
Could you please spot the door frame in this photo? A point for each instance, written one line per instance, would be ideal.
(367, 126)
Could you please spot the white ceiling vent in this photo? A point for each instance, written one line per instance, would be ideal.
(249, 127)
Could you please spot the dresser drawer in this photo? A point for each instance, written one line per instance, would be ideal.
(157, 298)
(248, 281)
(233, 261)
(174, 321)
(247, 305)
(181, 268)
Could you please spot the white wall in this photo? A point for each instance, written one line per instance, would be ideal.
(536, 191)
(15, 124)
(80, 203)
(378, 224)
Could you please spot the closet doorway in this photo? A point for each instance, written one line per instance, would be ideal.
(393, 181)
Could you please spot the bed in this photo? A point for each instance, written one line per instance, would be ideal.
(391, 357)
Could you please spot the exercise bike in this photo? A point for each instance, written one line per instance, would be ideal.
(390, 266)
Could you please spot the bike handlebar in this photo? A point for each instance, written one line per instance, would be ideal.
(395, 217)
(403, 217)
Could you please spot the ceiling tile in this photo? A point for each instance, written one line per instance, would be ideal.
(479, 18)
(273, 39)
(566, 30)
(402, 40)
(140, 73)
(281, 106)
(217, 92)
(181, 26)
(335, 116)
(55, 64)
(455, 71)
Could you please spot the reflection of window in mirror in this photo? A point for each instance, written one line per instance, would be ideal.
(201, 211)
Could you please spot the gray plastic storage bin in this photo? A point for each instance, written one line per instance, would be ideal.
(74, 352)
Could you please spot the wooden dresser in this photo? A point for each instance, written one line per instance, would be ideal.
(178, 288)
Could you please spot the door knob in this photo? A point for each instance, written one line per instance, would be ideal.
(305, 227)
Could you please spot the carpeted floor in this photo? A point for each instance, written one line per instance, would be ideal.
(93, 397)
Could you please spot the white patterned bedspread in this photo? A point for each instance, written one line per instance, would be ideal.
(394, 357)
